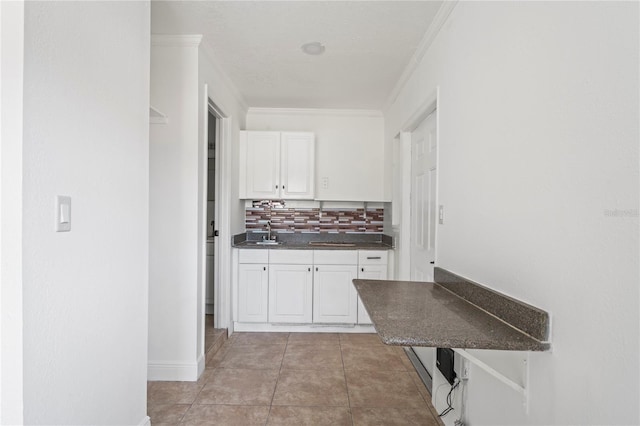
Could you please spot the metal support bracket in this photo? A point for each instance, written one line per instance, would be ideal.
(523, 388)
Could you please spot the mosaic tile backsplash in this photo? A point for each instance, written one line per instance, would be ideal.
(284, 219)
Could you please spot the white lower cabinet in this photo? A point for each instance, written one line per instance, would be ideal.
(335, 299)
(290, 286)
(372, 265)
(253, 285)
(305, 286)
(290, 294)
(253, 290)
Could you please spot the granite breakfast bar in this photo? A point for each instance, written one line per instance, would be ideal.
(452, 312)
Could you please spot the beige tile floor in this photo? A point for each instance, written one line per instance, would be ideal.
(297, 379)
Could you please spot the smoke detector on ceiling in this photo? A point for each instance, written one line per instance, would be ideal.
(313, 48)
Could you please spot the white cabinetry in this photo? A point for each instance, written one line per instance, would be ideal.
(290, 286)
(372, 265)
(277, 165)
(261, 154)
(292, 289)
(297, 161)
(335, 299)
(350, 153)
(253, 285)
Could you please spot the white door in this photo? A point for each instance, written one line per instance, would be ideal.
(263, 165)
(335, 299)
(253, 290)
(290, 294)
(424, 150)
(423, 199)
(297, 165)
(369, 272)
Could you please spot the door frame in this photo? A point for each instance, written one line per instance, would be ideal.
(430, 104)
(222, 247)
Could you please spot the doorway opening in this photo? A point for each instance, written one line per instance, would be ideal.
(212, 136)
(213, 336)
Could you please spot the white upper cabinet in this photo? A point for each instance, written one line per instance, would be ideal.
(352, 160)
(277, 165)
(297, 165)
(262, 169)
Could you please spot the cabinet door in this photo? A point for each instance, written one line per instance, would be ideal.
(297, 165)
(253, 288)
(369, 272)
(335, 299)
(290, 293)
(372, 272)
(262, 165)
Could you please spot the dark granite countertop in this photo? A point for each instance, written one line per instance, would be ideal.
(409, 313)
(307, 246)
(291, 241)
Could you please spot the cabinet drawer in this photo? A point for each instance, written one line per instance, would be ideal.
(372, 257)
(253, 256)
(335, 257)
(292, 257)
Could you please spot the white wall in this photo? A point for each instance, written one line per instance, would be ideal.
(86, 93)
(11, 112)
(178, 161)
(349, 148)
(173, 218)
(538, 141)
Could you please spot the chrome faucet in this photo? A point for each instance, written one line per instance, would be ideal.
(269, 232)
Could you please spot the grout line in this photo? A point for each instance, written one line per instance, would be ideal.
(346, 384)
(278, 378)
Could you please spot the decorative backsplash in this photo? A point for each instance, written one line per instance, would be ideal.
(284, 219)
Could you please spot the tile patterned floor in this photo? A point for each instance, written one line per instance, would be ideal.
(297, 379)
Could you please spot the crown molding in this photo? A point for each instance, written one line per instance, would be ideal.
(193, 40)
(207, 50)
(317, 111)
(432, 32)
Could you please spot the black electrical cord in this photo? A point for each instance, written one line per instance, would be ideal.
(449, 400)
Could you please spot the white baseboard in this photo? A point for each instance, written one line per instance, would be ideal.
(145, 422)
(175, 371)
(311, 328)
(202, 362)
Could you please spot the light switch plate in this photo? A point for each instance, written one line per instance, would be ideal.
(63, 213)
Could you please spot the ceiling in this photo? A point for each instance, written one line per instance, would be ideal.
(258, 45)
